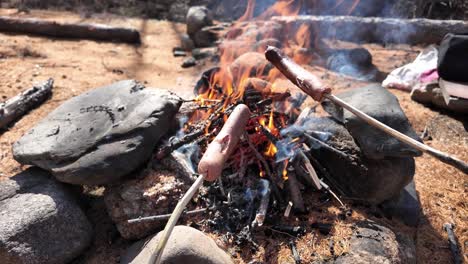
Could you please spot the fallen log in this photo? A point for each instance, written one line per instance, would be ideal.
(376, 29)
(19, 105)
(41, 27)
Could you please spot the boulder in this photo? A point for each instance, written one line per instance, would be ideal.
(346, 166)
(382, 105)
(197, 18)
(349, 169)
(374, 243)
(101, 135)
(40, 222)
(250, 64)
(155, 193)
(185, 245)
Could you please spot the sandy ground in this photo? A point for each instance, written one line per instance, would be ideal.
(78, 66)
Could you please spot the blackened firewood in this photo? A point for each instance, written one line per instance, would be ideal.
(72, 31)
(296, 196)
(457, 258)
(19, 105)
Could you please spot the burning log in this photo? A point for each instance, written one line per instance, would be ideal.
(377, 29)
(23, 102)
(74, 31)
(311, 85)
(210, 168)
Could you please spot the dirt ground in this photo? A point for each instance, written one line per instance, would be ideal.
(81, 65)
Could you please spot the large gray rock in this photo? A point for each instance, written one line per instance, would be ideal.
(155, 193)
(40, 221)
(349, 169)
(99, 136)
(185, 245)
(374, 243)
(382, 105)
(197, 18)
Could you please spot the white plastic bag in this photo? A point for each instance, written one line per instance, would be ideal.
(406, 77)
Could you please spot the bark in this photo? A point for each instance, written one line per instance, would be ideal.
(19, 105)
(71, 31)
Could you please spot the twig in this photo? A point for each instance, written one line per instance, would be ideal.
(297, 257)
(314, 179)
(164, 216)
(287, 212)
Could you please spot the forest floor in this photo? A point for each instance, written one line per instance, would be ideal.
(80, 65)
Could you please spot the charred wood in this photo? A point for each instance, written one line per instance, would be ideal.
(19, 105)
(452, 239)
(295, 193)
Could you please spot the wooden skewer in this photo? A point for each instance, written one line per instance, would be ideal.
(312, 86)
(157, 252)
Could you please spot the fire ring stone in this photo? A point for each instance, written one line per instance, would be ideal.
(101, 135)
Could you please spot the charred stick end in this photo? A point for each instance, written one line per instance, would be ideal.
(303, 79)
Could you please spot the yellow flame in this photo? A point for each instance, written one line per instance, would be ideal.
(285, 170)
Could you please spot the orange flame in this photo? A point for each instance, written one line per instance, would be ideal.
(285, 170)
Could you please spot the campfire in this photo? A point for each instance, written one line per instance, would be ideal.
(288, 149)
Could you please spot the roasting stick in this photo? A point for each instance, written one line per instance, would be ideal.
(209, 168)
(312, 86)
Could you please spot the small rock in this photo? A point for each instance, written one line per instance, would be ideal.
(206, 37)
(185, 245)
(40, 222)
(382, 105)
(251, 64)
(202, 53)
(97, 143)
(374, 243)
(186, 43)
(178, 52)
(197, 18)
(156, 193)
(356, 63)
(446, 128)
(189, 62)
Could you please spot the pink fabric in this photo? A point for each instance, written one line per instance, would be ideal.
(429, 76)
